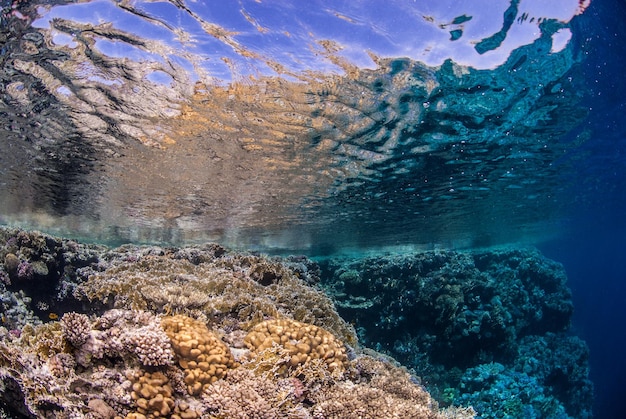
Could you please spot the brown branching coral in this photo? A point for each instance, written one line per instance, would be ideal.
(243, 288)
(46, 340)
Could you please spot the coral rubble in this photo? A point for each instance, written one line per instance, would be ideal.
(199, 332)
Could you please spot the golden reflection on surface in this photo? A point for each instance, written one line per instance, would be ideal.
(120, 136)
(236, 155)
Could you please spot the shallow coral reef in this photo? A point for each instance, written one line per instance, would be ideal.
(200, 332)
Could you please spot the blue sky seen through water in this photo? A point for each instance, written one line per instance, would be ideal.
(287, 33)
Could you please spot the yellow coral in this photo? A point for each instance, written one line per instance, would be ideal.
(303, 342)
(152, 394)
(46, 339)
(203, 356)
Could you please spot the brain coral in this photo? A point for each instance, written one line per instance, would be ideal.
(202, 355)
(303, 342)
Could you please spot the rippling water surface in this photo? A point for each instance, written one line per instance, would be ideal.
(277, 125)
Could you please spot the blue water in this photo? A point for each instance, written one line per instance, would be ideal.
(591, 247)
(594, 260)
(408, 154)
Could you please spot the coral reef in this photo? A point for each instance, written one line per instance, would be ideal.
(447, 313)
(147, 332)
(498, 392)
(303, 343)
(154, 397)
(377, 387)
(202, 355)
(559, 363)
(206, 332)
(44, 268)
(245, 289)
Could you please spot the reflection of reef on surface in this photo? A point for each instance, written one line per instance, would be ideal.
(485, 328)
(95, 147)
(196, 332)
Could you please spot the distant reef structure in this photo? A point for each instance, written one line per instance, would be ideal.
(486, 328)
(140, 332)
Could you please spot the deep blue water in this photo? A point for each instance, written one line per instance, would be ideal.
(593, 256)
(592, 247)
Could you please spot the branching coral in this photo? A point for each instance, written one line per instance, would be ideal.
(150, 344)
(238, 400)
(245, 395)
(76, 328)
(45, 339)
(118, 333)
(377, 390)
(246, 289)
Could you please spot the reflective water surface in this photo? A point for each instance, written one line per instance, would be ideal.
(285, 125)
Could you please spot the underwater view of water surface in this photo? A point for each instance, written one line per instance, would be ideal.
(268, 209)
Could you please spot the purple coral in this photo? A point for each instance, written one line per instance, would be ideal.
(25, 271)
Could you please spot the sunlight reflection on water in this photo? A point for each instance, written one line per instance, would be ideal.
(273, 125)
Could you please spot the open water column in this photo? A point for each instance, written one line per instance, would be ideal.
(262, 209)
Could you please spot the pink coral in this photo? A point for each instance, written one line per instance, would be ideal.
(150, 344)
(76, 328)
